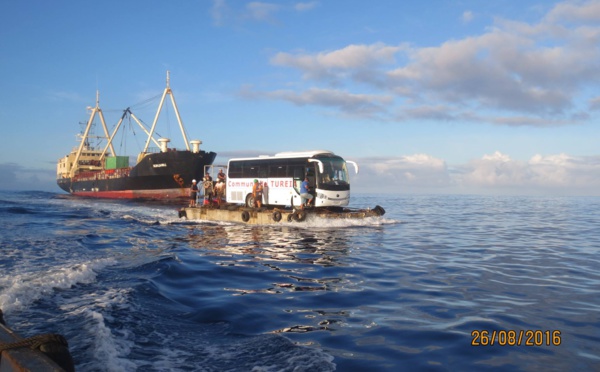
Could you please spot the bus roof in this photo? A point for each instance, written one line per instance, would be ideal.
(302, 154)
(291, 154)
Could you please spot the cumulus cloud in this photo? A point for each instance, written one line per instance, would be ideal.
(515, 73)
(587, 12)
(576, 175)
(415, 172)
(340, 63)
(495, 173)
(364, 105)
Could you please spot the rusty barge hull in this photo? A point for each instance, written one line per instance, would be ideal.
(272, 216)
(17, 354)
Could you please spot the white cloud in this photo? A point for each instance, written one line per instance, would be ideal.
(495, 173)
(515, 73)
(364, 105)
(338, 63)
(575, 11)
(415, 173)
(548, 173)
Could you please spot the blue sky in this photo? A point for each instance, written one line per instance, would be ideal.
(496, 97)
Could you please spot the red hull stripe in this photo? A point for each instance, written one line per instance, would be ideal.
(136, 194)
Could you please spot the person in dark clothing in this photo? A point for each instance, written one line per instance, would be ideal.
(193, 193)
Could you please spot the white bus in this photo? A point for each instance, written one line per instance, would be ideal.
(282, 174)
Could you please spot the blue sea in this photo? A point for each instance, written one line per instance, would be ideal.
(440, 283)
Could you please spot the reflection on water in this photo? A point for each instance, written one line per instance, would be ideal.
(269, 244)
(291, 263)
(281, 249)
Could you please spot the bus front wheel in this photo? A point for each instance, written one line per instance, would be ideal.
(249, 201)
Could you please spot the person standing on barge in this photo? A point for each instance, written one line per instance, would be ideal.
(193, 193)
(208, 188)
(305, 194)
(257, 194)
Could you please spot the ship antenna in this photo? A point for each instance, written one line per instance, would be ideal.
(168, 79)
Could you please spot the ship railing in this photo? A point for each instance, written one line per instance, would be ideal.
(155, 150)
(102, 175)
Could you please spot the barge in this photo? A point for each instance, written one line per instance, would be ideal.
(269, 216)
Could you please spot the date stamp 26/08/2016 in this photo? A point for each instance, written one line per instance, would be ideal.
(516, 338)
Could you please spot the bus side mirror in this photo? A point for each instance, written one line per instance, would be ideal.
(353, 163)
(320, 164)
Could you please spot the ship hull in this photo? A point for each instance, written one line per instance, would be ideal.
(165, 175)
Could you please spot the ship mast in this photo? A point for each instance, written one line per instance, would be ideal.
(95, 110)
(166, 92)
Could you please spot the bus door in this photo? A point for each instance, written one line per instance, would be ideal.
(311, 175)
(298, 178)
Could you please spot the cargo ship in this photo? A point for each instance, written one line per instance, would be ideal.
(159, 172)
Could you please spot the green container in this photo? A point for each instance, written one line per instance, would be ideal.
(116, 162)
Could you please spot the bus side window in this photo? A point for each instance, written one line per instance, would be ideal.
(310, 174)
(262, 172)
(297, 172)
(250, 171)
(277, 169)
(235, 169)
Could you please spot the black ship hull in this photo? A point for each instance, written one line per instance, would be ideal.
(164, 175)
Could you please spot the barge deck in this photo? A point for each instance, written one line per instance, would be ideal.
(270, 216)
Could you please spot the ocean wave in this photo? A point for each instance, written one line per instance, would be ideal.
(20, 290)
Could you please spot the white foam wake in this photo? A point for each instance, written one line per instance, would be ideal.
(19, 290)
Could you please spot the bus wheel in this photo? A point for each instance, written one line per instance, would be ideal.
(245, 216)
(249, 201)
(300, 216)
(276, 216)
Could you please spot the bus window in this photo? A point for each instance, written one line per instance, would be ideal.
(310, 174)
(263, 172)
(334, 173)
(277, 169)
(250, 170)
(296, 171)
(235, 169)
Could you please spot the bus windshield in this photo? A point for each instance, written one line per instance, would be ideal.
(334, 173)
